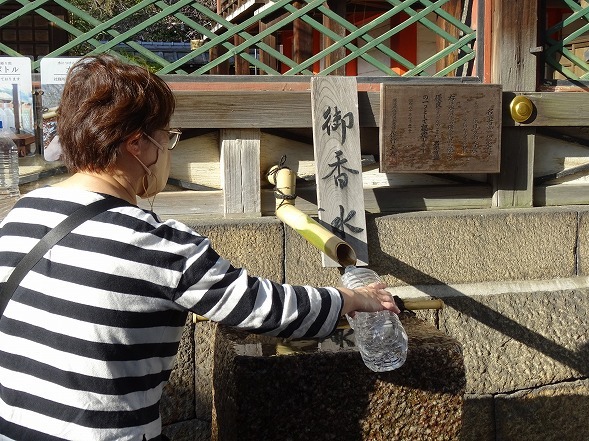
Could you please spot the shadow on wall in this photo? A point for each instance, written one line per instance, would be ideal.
(527, 416)
(578, 360)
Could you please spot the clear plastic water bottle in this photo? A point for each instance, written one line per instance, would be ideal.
(380, 336)
(8, 166)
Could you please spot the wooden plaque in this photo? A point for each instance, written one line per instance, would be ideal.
(444, 128)
(338, 165)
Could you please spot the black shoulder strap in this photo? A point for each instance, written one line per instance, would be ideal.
(55, 235)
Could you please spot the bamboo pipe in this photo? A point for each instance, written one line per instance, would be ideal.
(51, 113)
(326, 242)
(284, 180)
(408, 305)
(418, 304)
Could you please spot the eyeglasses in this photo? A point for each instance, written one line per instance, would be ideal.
(173, 138)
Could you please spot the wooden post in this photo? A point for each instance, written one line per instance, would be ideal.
(340, 8)
(242, 66)
(302, 38)
(336, 140)
(514, 66)
(220, 69)
(270, 40)
(240, 171)
(454, 8)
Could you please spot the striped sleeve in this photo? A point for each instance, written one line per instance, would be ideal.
(212, 287)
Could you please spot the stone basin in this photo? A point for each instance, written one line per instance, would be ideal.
(268, 389)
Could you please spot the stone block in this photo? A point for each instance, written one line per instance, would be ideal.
(478, 418)
(329, 394)
(583, 249)
(193, 430)
(303, 263)
(177, 403)
(473, 245)
(204, 343)
(518, 335)
(255, 244)
(551, 413)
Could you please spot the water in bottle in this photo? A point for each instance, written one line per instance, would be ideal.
(8, 166)
(380, 337)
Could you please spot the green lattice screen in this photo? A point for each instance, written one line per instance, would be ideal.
(257, 38)
(566, 49)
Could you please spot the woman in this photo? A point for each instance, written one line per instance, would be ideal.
(89, 337)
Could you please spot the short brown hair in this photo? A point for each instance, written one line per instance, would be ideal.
(104, 102)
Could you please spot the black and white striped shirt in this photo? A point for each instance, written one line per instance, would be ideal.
(90, 336)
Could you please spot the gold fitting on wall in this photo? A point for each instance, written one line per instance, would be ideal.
(521, 108)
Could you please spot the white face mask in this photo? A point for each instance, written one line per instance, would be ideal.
(156, 175)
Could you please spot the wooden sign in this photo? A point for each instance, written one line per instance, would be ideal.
(338, 166)
(444, 128)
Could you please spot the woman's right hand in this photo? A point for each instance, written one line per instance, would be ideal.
(370, 298)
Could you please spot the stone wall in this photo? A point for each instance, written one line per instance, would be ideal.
(515, 283)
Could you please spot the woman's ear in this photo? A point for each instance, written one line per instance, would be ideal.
(131, 144)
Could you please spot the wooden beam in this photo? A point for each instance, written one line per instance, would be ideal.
(289, 105)
(556, 109)
(560, 195)
(209, 204)
(255, 109)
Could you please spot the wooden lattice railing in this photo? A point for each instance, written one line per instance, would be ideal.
(568, 53)
(261, 39)
(264, 37)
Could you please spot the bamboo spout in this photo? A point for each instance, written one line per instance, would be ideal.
(318, 236)
(284, 180)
